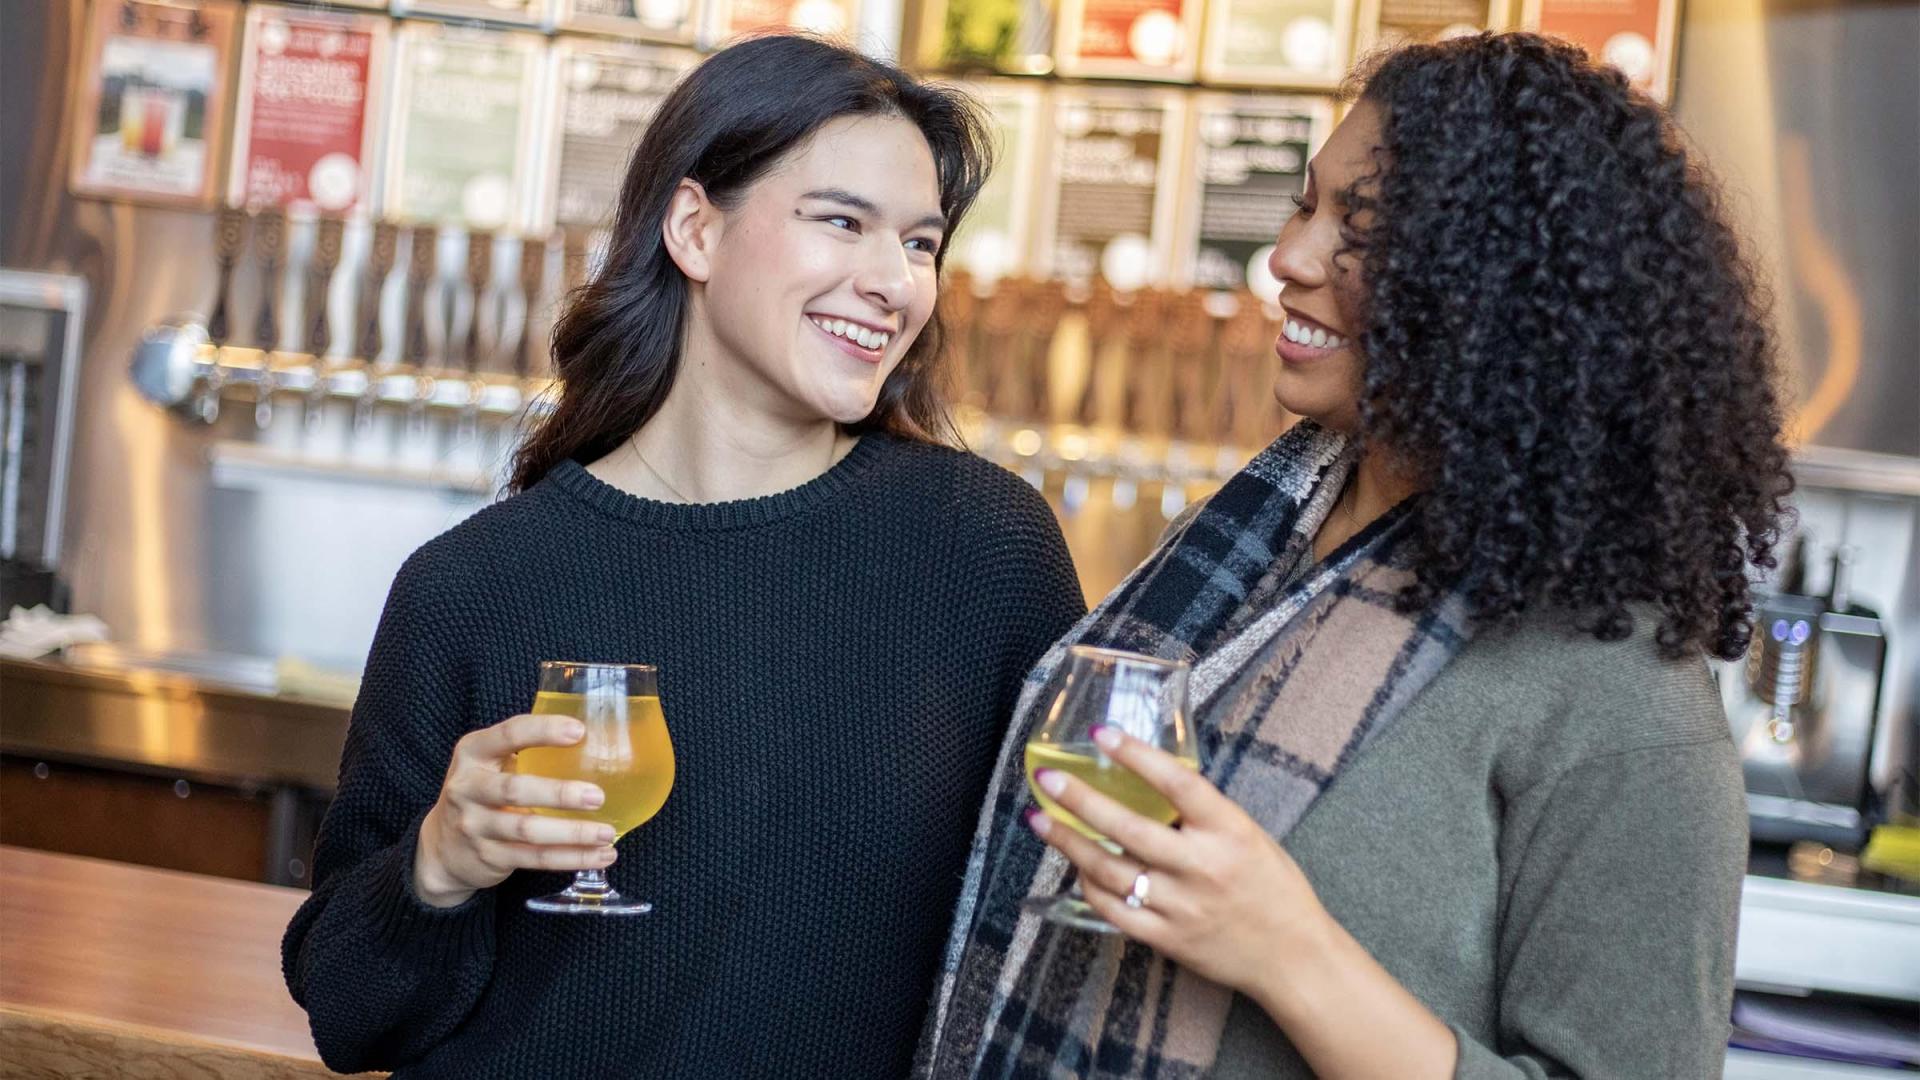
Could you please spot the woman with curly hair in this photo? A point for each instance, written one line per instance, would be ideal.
(1469, 806)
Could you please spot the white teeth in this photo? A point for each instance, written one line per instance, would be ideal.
(1316, 338)
(859, 335)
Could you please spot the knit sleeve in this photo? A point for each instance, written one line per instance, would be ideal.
(383, 976)
(1031, 576)
(1616, 949)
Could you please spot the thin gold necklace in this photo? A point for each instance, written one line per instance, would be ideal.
(635, 443)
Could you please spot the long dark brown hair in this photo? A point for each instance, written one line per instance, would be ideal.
(616, 348)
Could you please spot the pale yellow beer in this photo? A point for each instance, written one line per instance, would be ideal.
(631, 760)
(1110, 778)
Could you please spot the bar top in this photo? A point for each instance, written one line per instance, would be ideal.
(108, 959)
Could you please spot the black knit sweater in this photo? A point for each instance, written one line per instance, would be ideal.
(837, 665)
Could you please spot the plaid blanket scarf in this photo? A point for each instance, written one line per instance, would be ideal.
(1286, 690)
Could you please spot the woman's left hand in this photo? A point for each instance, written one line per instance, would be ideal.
(1223, 900)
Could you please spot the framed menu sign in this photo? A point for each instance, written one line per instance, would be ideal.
(664, 20)
(1109, 210)
(1636, 36)
(992, 240)
(1386, 23)
(1011, 36)
(153, 93)
(1249, 160)
(1302, 43)
(728, 19)
(465, 104)
(1136, 39)
(304, 130)
(522, 12)
(603, 94)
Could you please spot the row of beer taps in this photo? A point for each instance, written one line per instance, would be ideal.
(1156, 384)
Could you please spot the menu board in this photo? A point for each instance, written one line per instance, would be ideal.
(1636, 36)
(666, 20)
(1302, 43)
(1139, 39)
(992, 239)
(1109, 209)
(603, 96)
(524, 12)
(727, 19)
(465, 104)
(304, 130)
(1012, 36)
(153, 101)
(1386, 23)
(1250, 159)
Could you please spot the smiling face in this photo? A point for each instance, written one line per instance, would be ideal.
(1321, 369)
(811, 289)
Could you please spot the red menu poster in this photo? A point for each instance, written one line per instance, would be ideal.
(1146, 39)
(1636, 36)
(304, 129)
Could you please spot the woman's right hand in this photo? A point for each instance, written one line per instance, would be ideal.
(479, 831)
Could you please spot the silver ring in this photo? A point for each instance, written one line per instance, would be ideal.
(1137, 896)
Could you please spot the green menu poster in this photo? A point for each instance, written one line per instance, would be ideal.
(464, 108)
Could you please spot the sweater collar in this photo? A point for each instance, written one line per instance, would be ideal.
(573, 479)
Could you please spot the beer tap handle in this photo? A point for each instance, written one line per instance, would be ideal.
(480, 286)
(1103, 317)
(269, 240)
(1189, 333)
(533, 274)
(229, 238)
(421, 267)
(1143, 324)
(326, 259)
(959, 308)
(383, 251)
(999, 319)
(1048, 305)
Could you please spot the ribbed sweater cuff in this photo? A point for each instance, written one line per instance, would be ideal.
(407, 928)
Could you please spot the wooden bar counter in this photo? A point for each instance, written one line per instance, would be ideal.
(108, 969)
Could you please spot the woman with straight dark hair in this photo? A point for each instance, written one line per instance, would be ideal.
(740, 483)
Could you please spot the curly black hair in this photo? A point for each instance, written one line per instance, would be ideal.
(1565, 341)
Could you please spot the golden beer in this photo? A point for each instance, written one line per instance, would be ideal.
(630, 758)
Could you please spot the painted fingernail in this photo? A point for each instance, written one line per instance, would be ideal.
(1038, 821)
(1051, 781)
(593, 798)
(604, 834)
(1106, 738)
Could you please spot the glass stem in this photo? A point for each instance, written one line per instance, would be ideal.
(591, 883)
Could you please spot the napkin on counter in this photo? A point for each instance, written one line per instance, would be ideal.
(30, 633)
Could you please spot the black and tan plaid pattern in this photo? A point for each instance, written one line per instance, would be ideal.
(1284, 696)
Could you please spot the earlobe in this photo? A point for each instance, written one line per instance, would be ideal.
(687, 231)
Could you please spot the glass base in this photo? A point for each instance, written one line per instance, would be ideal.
(589, 895)
(1070, 910)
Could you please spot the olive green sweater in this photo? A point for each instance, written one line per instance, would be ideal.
(1547, 849)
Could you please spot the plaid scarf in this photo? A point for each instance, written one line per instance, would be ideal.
(1289, 685)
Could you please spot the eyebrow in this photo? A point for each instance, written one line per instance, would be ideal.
(866, 206)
